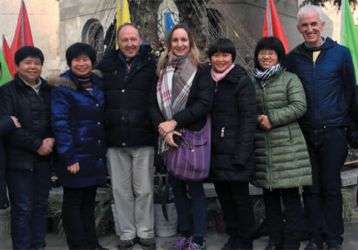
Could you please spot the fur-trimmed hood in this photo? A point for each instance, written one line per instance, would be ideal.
(57, 81)
(66, 79)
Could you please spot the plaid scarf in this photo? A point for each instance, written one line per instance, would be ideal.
(174, 86)
(266, 74)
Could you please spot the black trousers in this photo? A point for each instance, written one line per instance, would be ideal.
(236, 205)
(323, 200)
(78, 217)
(285, 224)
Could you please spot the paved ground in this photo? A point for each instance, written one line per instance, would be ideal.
(214, 241)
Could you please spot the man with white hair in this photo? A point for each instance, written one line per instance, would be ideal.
(327, 74)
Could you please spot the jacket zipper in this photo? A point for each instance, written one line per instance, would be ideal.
(222, 132)
(216, 87)
(268, 142)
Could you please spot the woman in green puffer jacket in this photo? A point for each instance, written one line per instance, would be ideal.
(281, 156)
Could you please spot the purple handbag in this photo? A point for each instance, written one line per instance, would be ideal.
(191, 160)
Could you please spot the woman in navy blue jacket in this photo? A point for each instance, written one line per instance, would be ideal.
(77, 120)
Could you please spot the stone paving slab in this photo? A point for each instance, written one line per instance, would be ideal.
(214, 241)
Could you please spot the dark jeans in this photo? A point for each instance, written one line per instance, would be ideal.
(78, 217)
(285, 224)
(28, 192)
(323, 200)
(236, 205)
(191, 211)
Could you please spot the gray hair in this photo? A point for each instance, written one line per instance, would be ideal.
(309, 8)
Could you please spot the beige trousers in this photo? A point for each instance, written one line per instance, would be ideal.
(131, 170)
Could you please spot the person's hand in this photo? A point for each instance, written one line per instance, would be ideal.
(170, 140)
(50, 141)
(74, 168)
(15, 121)
(265, 122)
(46, 147)
(165, 127)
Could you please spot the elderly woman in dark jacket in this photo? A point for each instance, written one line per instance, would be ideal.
(233, 129)
(282, 160)
(7, 124)
(77, 120)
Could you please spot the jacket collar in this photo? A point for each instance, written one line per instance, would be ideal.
(66, 79)
(115, 59)
(21, 84)
(303, 50)
(235, 74)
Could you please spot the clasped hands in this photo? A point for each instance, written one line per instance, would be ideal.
(264, 122)
(166, 130)
(74, 168)
(46, 147)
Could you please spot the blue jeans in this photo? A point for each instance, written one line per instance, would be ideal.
(28, 193)
(323, 200)
(191, 211)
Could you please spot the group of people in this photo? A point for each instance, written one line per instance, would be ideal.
(284, 129)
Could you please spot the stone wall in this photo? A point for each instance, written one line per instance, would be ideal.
(74, 15)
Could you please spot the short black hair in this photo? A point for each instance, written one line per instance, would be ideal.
(80, 49)
(269, 43)
(28, 51)
(223, 45)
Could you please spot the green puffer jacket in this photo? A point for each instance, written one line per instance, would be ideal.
(281, 155)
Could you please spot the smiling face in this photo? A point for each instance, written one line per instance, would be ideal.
(30, 69)
(267, 58)
(221, 61)
(179, 42)
(81, 65)
(311, 26)
(129, 41)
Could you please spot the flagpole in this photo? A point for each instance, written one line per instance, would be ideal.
(342, 12)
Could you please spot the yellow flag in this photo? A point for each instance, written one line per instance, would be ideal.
(122, 15)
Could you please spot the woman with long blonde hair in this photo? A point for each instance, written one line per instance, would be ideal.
(184, 96)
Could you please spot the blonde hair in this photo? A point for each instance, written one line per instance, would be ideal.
(194, 53)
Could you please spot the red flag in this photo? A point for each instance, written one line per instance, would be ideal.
(21, 38)
(272, 24)
(8, 55)
(23, 34)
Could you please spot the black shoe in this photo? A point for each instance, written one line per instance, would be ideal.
(291, 245)
(337, 247)
(99, 247)
(126, 244)
(147, 244)
(235, 244)
(230, 245)
(312, 246)
(273, 246)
